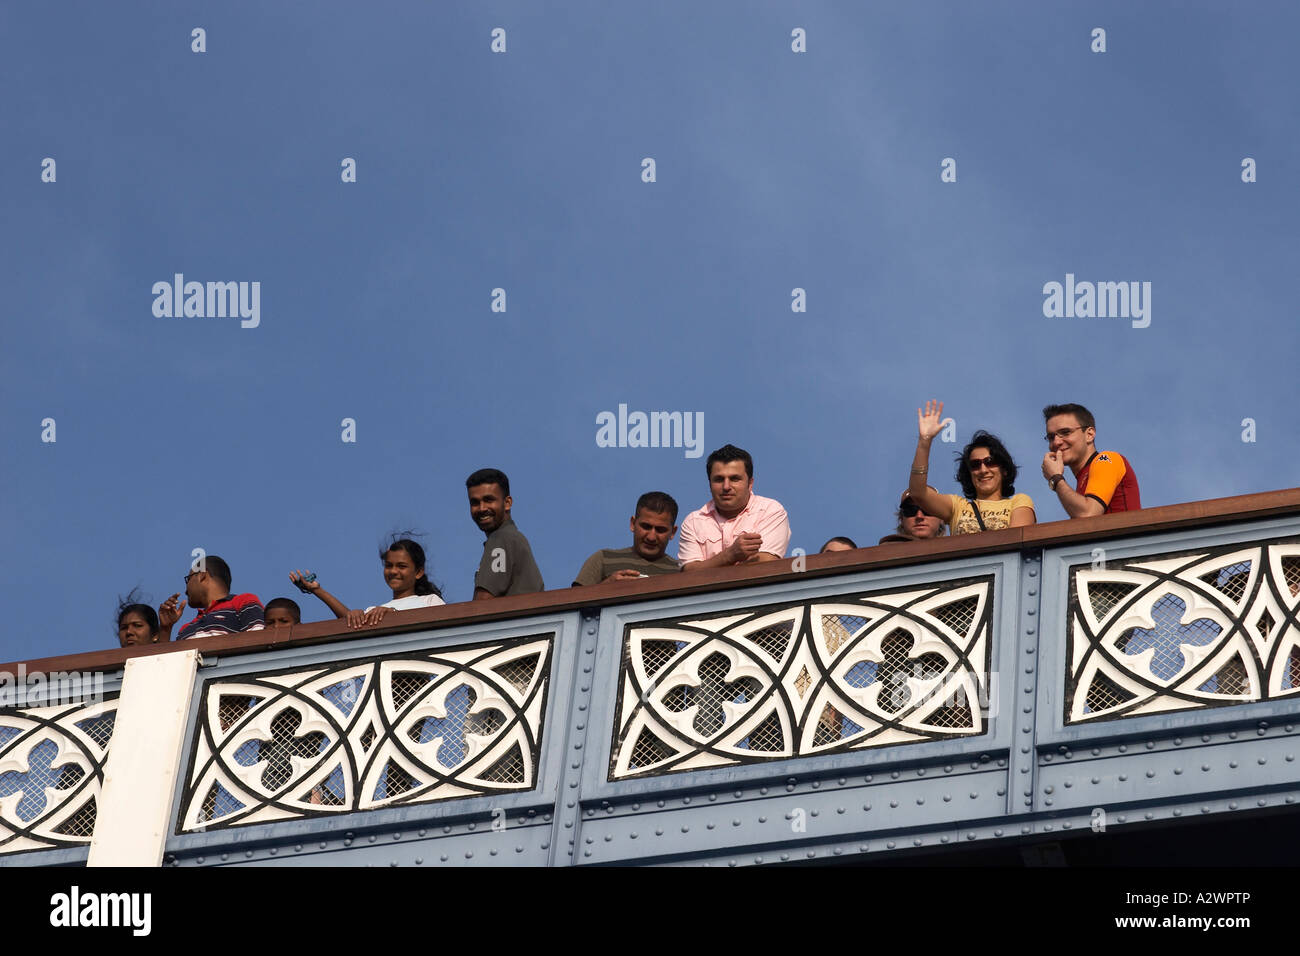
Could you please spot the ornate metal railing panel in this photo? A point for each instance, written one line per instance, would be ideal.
(365, 734)
(51, 773)
(817, 677)
(1180, 631)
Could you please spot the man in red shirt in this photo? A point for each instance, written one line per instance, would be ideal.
(1104, 480)
(220, 612)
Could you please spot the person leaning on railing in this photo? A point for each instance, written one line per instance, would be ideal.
(404, 573)
(737, 526)
(985, 472)
(653, 526)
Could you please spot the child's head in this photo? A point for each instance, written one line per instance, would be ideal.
(404, 569)
(137, 624)
(282, 612)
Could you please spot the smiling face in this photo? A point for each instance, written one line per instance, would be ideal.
(651, 532)
(400, 572)
(1073, 443)
(133, 630)
(488, 507)
(730, 486)
(985, 474)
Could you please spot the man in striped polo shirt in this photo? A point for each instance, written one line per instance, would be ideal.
(653, 526)
(208, 590)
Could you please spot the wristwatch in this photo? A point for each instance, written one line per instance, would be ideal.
(1054, 481)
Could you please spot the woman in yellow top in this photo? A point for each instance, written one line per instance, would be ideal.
(987, 476)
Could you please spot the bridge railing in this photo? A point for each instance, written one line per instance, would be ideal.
(1004, 686)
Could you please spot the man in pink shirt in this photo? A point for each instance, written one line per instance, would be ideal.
(737, 526)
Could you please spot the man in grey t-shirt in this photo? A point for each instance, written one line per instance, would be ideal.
(507, 567)
(653, 526)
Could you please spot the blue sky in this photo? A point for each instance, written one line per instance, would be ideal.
(522, 170)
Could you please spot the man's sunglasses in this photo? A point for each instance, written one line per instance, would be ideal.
(909, 509)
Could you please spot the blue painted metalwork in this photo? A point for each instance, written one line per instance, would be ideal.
(1024, 771)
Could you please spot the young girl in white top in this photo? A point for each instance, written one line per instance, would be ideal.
(404, 573)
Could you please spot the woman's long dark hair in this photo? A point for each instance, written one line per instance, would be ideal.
(998, 452)
(422, 585)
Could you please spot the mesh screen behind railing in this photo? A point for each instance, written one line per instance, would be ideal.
(1105, 595)
(1291, 573)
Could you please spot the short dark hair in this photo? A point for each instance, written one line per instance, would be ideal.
(217, 568)
(404, 543)
(841, 540)
(730, 453)
(1078, 411)
(658, 502)
(287, 604)
(134, 602)
(998, 452)
(489, 476)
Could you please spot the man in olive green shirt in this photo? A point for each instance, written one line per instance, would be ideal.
(653, 527)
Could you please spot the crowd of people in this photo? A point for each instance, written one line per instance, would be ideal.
(734, 527)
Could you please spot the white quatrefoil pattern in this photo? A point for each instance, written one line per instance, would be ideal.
(825, 676)
(51, 773)
(1177, 632)
(362, 735)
